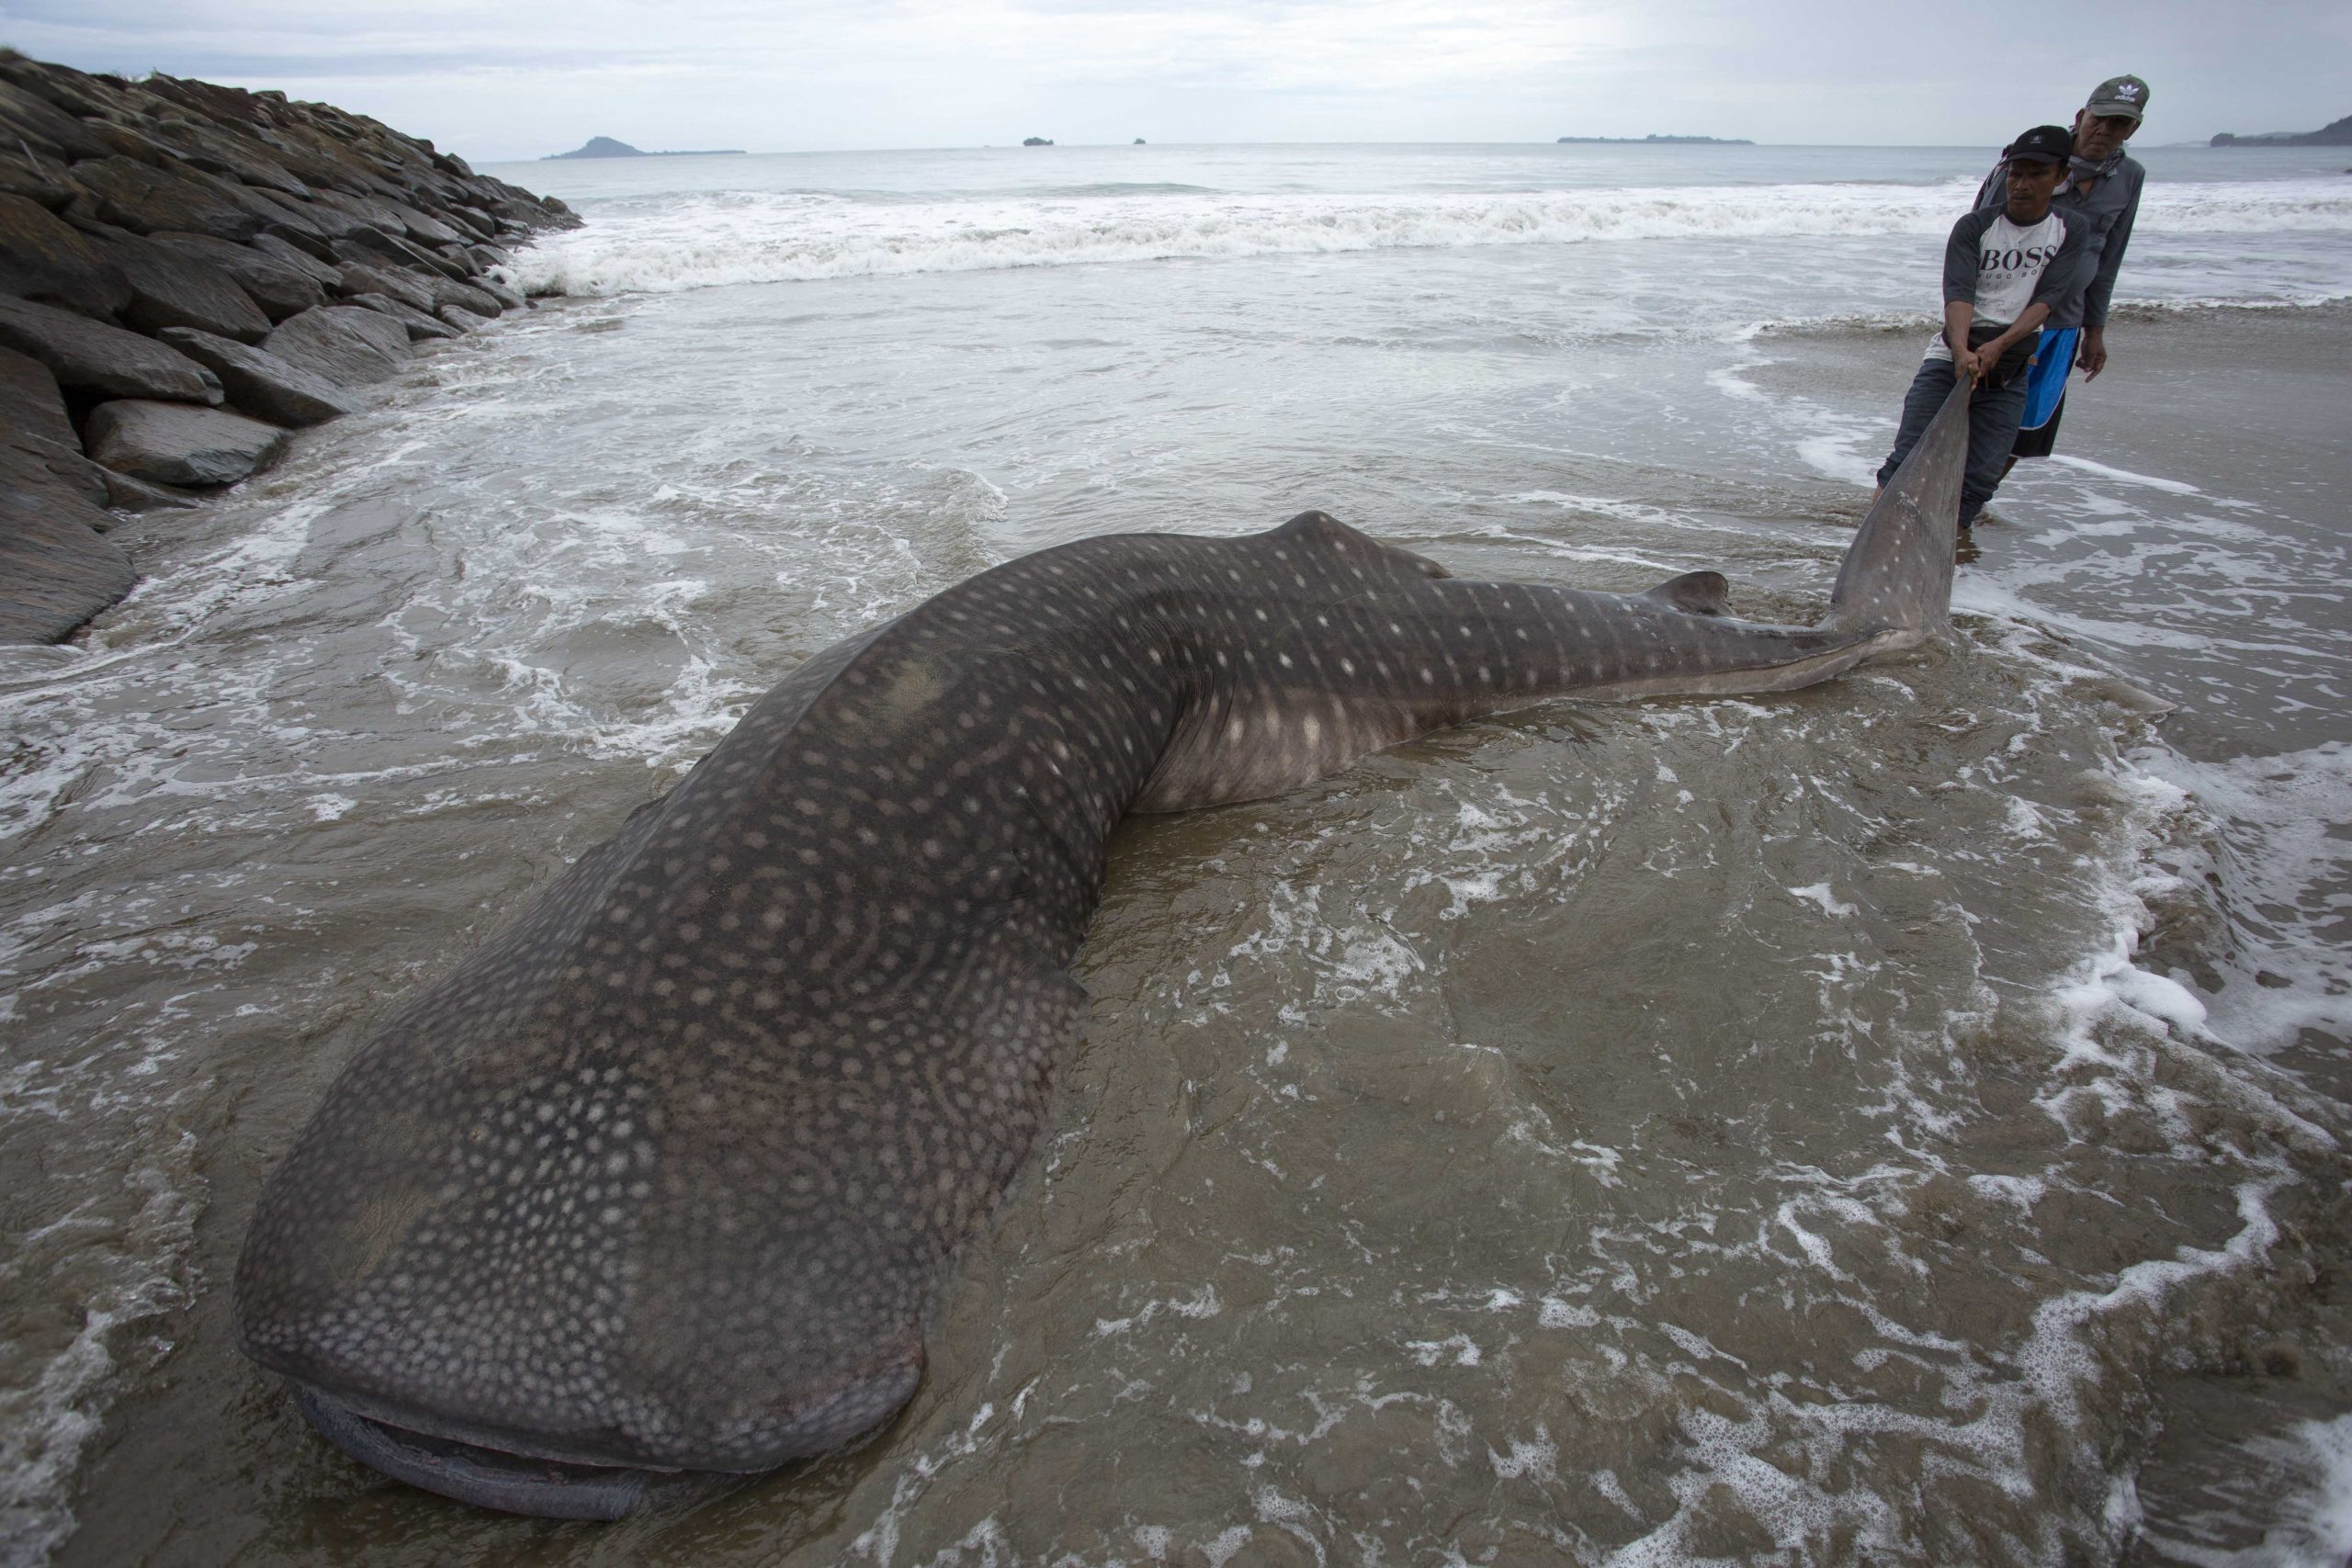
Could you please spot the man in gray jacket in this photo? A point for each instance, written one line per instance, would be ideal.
(2005, 272)
(2100, 197)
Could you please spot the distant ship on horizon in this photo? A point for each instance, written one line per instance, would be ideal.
(1647, 141)
(605, 147)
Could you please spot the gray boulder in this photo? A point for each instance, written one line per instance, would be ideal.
(325, 274)
(44, 258)
(132, 196)
(171, 288)
(279, 289)
(174, 444)
(60, 137)
(122, 142)
(90, 355)
(418, 325)
(508, 299)
(360, 278)
(462, 318)
(426, 229)
(40, 453)
(43, 184)
(215, 152)
(372, 247)
(56, 569)
(31, 401)
(365, 213)
(41, 466)
(389, 336)
(472, 226)
(344, 344)
(465, 296)
(127, 494)
(306, 223)
(260, 383)
(325, 223)
(400, 252)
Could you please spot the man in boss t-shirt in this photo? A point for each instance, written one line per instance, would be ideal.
(2005, 270)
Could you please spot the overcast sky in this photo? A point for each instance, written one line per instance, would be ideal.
(522, 79)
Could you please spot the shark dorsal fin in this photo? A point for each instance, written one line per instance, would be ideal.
(1697, 593)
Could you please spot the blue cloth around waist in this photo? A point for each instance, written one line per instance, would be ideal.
(2045, 384)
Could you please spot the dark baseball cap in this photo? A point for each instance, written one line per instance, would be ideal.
(2043, 145)
(2119, 94)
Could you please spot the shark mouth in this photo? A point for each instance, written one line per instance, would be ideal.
(486, 1477)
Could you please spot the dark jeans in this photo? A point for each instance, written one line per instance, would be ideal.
(1993, 415)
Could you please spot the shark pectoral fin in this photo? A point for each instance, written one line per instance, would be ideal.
(1695, 593)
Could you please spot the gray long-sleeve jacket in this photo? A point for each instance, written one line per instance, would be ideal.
(2104, 213)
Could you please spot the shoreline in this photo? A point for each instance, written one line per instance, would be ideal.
(189, 274)
(2160, 313)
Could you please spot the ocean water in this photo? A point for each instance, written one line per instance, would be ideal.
(1899, 1122)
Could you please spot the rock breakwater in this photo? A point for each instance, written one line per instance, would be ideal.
(187, 272)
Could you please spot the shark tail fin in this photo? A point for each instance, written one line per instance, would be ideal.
(1897, 572)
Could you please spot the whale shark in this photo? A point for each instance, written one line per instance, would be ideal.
(668, 1176)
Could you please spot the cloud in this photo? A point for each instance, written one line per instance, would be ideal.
(1274, 45)
(510, 81)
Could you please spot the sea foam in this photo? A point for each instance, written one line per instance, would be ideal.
(705, 239)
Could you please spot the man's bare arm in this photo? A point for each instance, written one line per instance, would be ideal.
(1959, 316)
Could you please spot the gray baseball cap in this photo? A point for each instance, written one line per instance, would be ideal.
(2120, 94)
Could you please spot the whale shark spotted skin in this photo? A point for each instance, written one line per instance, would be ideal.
(668, 1176)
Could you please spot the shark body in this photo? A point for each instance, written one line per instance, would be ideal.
(668, 1175)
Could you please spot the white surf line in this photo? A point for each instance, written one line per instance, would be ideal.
(2170, 487)
(2311, 1527)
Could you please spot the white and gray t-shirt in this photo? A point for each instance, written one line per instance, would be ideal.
(2001, 267)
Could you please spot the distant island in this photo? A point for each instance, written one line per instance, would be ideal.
(2337, 133)
(1651, 141)
(1036, 141)
(605, 147)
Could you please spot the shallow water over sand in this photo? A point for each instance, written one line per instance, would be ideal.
(1900, 1120)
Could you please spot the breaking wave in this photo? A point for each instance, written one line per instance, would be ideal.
(705, 239)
